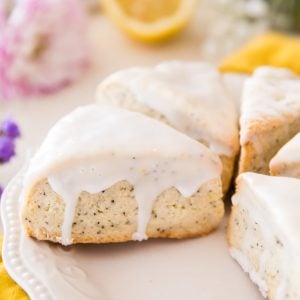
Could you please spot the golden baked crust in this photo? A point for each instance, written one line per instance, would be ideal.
(263, 139)
(286, 162)
(111, 215)
(270, 116)
(286, 169)
(240, 223)
(228, 164)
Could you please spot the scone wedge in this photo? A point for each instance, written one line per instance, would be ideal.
(189, 96)
(105, 174)
(286, 162)
(270, 116)
(263, 233)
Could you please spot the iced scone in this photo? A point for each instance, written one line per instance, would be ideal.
(189, 96)
(263, 233)
(270, 116)
(105, 174)
(286, 162)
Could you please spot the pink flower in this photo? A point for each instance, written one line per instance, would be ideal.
(43, 45)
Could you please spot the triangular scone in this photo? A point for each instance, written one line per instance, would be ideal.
(105, 174)
(270, 116)
(287, 160)
(189, 96)
(263, 233)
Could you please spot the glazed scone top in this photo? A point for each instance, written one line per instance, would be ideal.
(270, 94)
(190, 95)
(96, 146)
(288, 154)
(276, 198)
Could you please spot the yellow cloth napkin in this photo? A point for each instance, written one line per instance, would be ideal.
(271, 49)
(9, 290)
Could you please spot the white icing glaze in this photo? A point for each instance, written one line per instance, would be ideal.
(97, 146)
(273, 202)
(279, 198)
(187, 94)
(243, 261)
(283, 284)
(288, 155)
(271, 93)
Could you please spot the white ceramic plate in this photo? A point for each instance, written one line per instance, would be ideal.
(159, 269)
(191, 269)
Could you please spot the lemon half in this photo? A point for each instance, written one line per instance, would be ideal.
(150, 20)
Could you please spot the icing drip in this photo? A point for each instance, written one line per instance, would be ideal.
(97, 146)
(242, 259)
(186, 94)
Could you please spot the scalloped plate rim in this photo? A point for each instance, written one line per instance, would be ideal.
(14, 265)
(39, 287)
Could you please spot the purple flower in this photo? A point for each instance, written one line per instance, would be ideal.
(1, 191)
(7, 149)
(10, 129)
